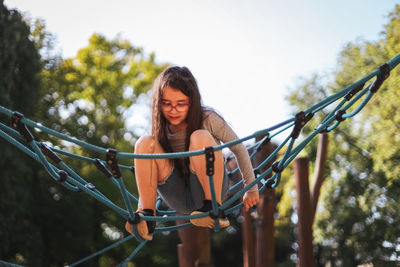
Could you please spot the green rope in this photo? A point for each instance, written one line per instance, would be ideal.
(100, 251)
(8, 264)
(74, 182)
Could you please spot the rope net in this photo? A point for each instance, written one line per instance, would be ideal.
(354, 97)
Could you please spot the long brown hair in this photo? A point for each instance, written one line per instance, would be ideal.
(182, 79)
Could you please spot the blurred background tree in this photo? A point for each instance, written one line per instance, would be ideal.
(87, 97)
(19, 89)
(356, 221)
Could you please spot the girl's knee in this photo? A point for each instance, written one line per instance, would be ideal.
(145, 144)
(201, 138)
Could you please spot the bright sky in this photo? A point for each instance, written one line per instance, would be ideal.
(244, 54)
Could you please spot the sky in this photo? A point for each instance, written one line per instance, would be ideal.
(244, 54)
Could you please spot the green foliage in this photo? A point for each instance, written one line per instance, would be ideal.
(94, 90)
(42, 223)
(356, 221)
(88, 97)
(19, 63)
(385, 132)
(19, 89)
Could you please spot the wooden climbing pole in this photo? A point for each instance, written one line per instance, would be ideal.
(307, 201)
(195, 249)
(259, 245)
(304, 224)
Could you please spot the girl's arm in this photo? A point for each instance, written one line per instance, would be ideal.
(220, 129)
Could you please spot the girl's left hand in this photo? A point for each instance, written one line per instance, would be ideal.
(250, 199)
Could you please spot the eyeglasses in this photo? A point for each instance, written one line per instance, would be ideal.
(180, 107)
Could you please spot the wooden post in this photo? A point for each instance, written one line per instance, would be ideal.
(304, 225)
(265, 245)
(184, 259)
(260, 253)
(265, 239)
(195, 248)
(248, 240)
(319, 172)
(246, 224)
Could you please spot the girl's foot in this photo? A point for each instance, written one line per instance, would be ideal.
(144, 228)
(208, 221)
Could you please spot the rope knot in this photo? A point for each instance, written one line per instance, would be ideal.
(276, 168)
(301, 120)
(339, 115)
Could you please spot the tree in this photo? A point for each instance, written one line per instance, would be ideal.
(89, 97)
(20, 63)
(19, 90)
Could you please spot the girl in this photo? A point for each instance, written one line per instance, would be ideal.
(181, 123)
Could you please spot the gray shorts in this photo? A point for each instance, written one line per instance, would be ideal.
(186, 196)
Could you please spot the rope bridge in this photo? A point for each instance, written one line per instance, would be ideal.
(19, 135)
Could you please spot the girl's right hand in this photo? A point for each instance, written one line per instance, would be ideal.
(250, 199)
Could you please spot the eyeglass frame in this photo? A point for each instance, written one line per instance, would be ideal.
(171, 107)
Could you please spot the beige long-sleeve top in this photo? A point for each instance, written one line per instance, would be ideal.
(222, 132)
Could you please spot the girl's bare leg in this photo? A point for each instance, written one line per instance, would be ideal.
(148, 172)
(199, 140)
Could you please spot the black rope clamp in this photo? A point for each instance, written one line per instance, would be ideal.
(214, 216)
(135, 220)
(269, 183)
(100, 166)
(20, 127)
(210, 158)
(301, 120)
(208, 207)
(276, 168)
(151, 225)
(339, 115)
(49, 153)
(354, 91)
(111, 159)
(62, 176)
(264, 141)
(384, 73)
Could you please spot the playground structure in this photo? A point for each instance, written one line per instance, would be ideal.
(268, 172)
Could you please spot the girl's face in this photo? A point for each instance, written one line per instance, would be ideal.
(175, 107)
